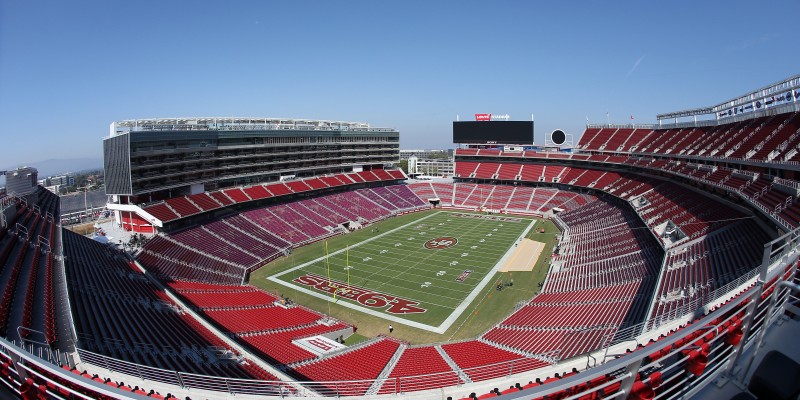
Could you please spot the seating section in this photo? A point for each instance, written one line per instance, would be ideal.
(215, 245)
(246, 309)
(771, 139)
(558, 343)
(277, 347)
(184, 206)
(420, 368)
(363, 363)
(695, 214)
(520, 199)
(28, 261)
(225, 297)
(221, 251)
(694, 271)
(120, 314)
(256, 318)
(602, 279)
(482, 361)
(169, 259)
(261, 319)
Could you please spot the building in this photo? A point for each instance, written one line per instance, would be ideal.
(430, 167)
(157, 157)
(426, 154)
(61, 180)
(151, 160)
(21, 181)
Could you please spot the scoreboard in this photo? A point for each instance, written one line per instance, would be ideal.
(493, 132)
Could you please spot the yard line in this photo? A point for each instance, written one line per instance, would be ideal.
(473, 228)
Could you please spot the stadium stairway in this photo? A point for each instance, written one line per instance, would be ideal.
(446, 357)
(386, 370)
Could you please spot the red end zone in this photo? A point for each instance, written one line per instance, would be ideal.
(360, 295)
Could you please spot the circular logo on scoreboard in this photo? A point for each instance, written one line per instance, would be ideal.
(441, 243)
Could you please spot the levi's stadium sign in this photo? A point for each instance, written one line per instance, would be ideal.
(492, 117)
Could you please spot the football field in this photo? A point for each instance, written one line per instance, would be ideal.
(422, 274)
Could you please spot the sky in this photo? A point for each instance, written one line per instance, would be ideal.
(68, 69)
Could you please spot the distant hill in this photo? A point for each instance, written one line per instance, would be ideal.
(54, 167)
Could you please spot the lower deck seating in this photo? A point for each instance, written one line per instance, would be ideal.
(420, 368)
(277, 346)
(120, 314)
(482, 361)
(363, 363)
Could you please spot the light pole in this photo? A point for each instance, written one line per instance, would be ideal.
(85, 204)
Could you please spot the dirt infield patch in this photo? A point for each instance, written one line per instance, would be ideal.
(524, 257)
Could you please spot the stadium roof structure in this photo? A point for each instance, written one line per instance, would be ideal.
(237, 124)
(779, 93)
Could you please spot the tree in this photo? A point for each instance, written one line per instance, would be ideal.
(404, 166)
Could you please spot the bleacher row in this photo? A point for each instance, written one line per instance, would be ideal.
(772, 139)
(695, 270)
(119, 313)
(761, 189)
(221, 251)
(180, 207)
(27, 260)
(589, 293)
(257, 318)
(520, 199)
(692, 212)
(758, 188)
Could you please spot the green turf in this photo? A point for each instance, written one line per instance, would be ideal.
(355, 339)
(408, 271)
(432, 281)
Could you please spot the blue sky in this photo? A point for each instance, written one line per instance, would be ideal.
(68, 69)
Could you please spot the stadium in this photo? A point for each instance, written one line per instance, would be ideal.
(285, 258)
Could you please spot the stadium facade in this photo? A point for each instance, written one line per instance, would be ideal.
(677, 268)
(149, 160)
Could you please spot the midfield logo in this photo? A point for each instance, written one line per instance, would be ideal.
(441, 243)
